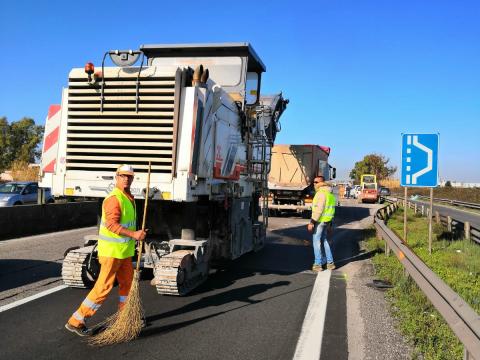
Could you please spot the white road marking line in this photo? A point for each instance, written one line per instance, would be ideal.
(309, 344)
(33, 297)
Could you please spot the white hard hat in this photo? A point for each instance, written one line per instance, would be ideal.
(125, 170)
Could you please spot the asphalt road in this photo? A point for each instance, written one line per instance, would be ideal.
(252, 309)
(461, 215)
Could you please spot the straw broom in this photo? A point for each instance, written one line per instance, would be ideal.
(126, 324)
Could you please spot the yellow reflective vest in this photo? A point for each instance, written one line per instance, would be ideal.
(329, 208)
(115, 245)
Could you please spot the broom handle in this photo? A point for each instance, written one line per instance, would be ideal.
(144, 214)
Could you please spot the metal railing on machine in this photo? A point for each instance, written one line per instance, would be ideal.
(461, 318)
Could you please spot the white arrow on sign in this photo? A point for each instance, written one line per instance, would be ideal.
(429, 166)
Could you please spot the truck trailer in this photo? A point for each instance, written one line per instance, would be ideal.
(290, 181)
(195, 111)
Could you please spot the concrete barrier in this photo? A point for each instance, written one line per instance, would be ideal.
(24, 220)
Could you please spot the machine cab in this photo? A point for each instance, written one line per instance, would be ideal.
(234, 66)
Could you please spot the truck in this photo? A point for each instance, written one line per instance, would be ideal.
(368, 188)
(196, 114)
(290, 180)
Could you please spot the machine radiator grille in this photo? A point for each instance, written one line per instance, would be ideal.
(101, 140)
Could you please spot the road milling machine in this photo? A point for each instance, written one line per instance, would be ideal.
(195, 112)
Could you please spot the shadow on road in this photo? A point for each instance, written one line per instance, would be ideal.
(19, 272)
(285, 253)
(343, 215)
(288, 251)
(349, 214)
(243, 294)
(344, 242)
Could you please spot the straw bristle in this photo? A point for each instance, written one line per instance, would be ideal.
(126, 324)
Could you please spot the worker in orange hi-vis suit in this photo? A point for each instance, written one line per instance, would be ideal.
(116, 246)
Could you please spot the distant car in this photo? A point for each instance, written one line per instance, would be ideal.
(355, 191)
(21, 192)
(384, 191)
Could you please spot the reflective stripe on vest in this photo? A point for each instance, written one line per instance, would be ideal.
(120, 240)
(114, 245)
(125, 225)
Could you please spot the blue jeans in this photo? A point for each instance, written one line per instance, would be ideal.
(319, 242)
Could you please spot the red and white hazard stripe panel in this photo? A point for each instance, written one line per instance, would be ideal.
(50, 143)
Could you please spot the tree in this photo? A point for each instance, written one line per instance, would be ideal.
(4, 143)
(19, 141)
(372, 164)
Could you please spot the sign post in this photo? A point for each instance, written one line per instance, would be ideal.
(420, 169)
(405, 215)
(430, 222)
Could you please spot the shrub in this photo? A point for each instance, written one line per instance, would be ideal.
(21, 171)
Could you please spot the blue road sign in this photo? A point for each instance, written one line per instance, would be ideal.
(419, 160)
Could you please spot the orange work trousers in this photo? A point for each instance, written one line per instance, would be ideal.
(111, 269)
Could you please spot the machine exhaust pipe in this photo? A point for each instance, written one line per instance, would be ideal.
(188, 234)
(197, 75)
(204, 77)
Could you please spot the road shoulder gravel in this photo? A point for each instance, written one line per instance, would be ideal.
(371, 329)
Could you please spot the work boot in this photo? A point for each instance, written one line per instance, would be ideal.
(81, 330)
(331, 266)
(317, 268)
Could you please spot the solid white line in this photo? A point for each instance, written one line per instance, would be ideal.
(33, 297)
(309, 344)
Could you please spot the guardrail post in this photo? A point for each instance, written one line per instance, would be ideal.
(449, 223)
(41, 196)
(415, 208)
(467, 230)
(437, 217)
(466, 354)
(423, 210)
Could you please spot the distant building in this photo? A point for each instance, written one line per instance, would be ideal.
(6, 176)
(459, 184)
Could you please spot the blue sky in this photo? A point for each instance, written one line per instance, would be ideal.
(357, 73)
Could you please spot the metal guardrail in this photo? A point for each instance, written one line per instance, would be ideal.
(461, 318)
(458, 228)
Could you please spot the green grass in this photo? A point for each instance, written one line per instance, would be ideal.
(455, 262)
